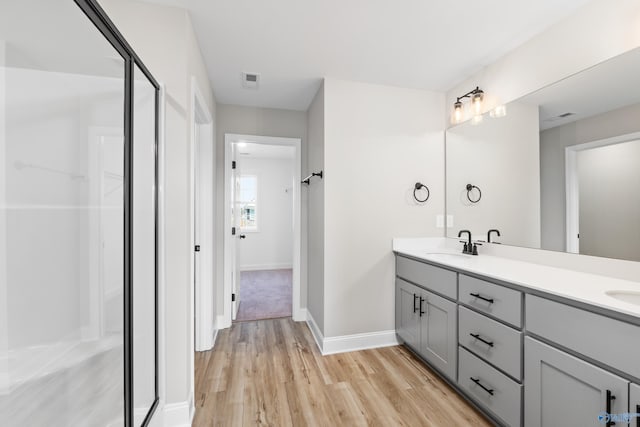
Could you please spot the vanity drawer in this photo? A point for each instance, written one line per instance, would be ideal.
(433, 278)
(495, 300)
(503, 344)
(609, 341)
(501, 395)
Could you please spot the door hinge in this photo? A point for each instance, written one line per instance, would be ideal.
(233, 231)
(233, 164)
(197, 248)
(233, 297)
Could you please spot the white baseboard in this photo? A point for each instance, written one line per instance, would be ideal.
(178, 414)
(346, 343)
(355, 342)
(258, 267)
(315, 331)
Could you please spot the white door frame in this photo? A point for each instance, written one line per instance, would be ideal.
(202, 164)
(573, 184)
(229, 138)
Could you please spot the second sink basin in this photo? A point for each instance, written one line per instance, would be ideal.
(631, 297)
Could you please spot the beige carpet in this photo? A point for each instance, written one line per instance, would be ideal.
(264, 294)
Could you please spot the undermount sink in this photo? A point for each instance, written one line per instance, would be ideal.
(448, 255)
(631, 297)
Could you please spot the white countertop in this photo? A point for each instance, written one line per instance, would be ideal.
(583, 287)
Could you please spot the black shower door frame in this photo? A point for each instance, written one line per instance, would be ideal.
(99, 18)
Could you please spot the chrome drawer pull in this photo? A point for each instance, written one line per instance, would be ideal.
(477, 336)
(476, 295)
(477, 381)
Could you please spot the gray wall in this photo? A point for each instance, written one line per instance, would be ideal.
(552, 164)
(262, 122)
(315, 122)
(609, 201)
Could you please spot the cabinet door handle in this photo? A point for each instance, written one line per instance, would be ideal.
(421, 301)
(610, 397)
(477, 381)
(415, 297)
(477, 295)
(478, 337)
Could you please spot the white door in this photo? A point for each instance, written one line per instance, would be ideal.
(236, 214)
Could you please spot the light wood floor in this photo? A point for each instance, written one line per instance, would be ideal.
(270, 372)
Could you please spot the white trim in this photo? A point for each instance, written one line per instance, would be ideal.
(297, 314)
(259, 267)
(315, 330)
(572, 185)
(178, 414)
(346, 343)
(355, 342)
(162, 326)
(221, 323)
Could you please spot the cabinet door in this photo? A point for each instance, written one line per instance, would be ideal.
(438, 340)
(634, 404)
(562, 390)
(408, 313)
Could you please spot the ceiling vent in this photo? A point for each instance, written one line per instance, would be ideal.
(559, 117)
(250, 80)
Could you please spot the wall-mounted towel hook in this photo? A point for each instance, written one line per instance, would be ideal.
(470, 188)
(307, 180)
(417, 188)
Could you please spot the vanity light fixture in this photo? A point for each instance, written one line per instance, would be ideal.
(477, 96)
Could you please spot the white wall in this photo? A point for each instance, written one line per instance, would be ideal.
(271, 246)
(315, 192)
(378, 141)
(501, 157)
(552, 164)
(167, 46)
(598, 31)
(608, 176)
(263, 122)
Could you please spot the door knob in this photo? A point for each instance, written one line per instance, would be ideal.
(242, 236)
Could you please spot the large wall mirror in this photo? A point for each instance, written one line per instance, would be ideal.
(560, 171)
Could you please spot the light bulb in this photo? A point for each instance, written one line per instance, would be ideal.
(476, 100)
(457, 112)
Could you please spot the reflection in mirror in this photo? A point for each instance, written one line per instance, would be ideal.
(559, 171)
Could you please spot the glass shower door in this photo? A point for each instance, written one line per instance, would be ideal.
(62, 99)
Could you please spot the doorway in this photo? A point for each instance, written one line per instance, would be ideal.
(598, 174)
(262, 227)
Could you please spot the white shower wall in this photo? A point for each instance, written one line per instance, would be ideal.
(48, 118)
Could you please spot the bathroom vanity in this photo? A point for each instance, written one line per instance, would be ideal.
(528, 344)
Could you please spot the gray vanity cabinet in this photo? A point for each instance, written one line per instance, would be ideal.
(438, 335)
(425, 321)
(634, 403)
(407, 312)
(564, 390)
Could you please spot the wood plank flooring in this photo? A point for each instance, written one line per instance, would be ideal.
(270, 372)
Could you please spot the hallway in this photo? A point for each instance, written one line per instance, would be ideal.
(271, 373)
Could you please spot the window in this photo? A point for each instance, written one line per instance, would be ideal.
(247, 200)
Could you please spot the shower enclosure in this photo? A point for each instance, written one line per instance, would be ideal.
(78, 220)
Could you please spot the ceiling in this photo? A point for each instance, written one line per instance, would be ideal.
(605, 87)
(293, 44)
